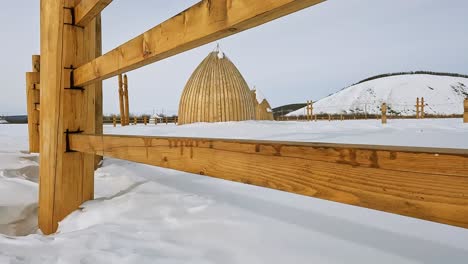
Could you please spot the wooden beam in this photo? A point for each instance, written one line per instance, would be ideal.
(202, 23)
(425, 183)
(66, 178)
(87, 10)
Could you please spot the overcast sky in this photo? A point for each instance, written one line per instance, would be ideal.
(304, 56)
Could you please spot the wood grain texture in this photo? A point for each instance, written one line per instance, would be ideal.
(66, 178)
(425, 183)
(200, 24)
(216, 92)
(87, 10)
(32, 98)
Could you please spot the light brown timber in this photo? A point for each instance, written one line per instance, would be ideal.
(32, 97)
(36, 63)
(384, 113)
(200, 24)
(126, 100)
(87, 10)
(121, 101)
(66, 178)
(465, 114)
(425, 183)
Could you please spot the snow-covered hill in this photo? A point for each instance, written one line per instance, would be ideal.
(442, 95)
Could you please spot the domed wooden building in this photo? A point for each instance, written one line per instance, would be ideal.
(216, 92)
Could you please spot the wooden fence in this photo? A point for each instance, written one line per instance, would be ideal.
(430, 184)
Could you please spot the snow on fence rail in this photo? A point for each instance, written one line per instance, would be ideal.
(430, 184)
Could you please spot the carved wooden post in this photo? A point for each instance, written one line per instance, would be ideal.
(421, 113)
(114, 121)
(121, 101)
(126, 99)
(66, 177)
(384, 113)
(465, 114)
(33, 103)
(135, 120)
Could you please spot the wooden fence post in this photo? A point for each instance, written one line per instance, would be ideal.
(166, 120)
(144, 120)
(417, 108)
(121, 101)
(135, 120)
(384, 113)
(465, 114)
(114, 121)
(33, 104)
(421, 113)
(126, 100)
(66, 177)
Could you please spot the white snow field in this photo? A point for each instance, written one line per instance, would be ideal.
(146, 214)
(442, 94)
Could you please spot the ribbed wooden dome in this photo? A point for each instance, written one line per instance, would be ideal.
(216, 92)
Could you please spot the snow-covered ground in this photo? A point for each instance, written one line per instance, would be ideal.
(442, 95)
(145, 214)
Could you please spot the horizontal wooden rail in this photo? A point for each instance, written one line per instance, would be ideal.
(425, 183)
(86, 10)
(202, 23)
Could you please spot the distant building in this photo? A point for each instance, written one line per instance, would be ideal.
(262, 106)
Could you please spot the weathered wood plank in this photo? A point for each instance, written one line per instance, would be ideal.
(87, 10)
(202, 23)
(425, 183)
(66, 178)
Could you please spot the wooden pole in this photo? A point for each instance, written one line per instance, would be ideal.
(465, 114)
(126, 100)
(66, 177)
(135, 120)
(384, 113)
(144, 120)
(121, 101)
(421, 114)
(417, 107)
(33, 100)
(166, 120)
(114, 121)
(36, 63)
